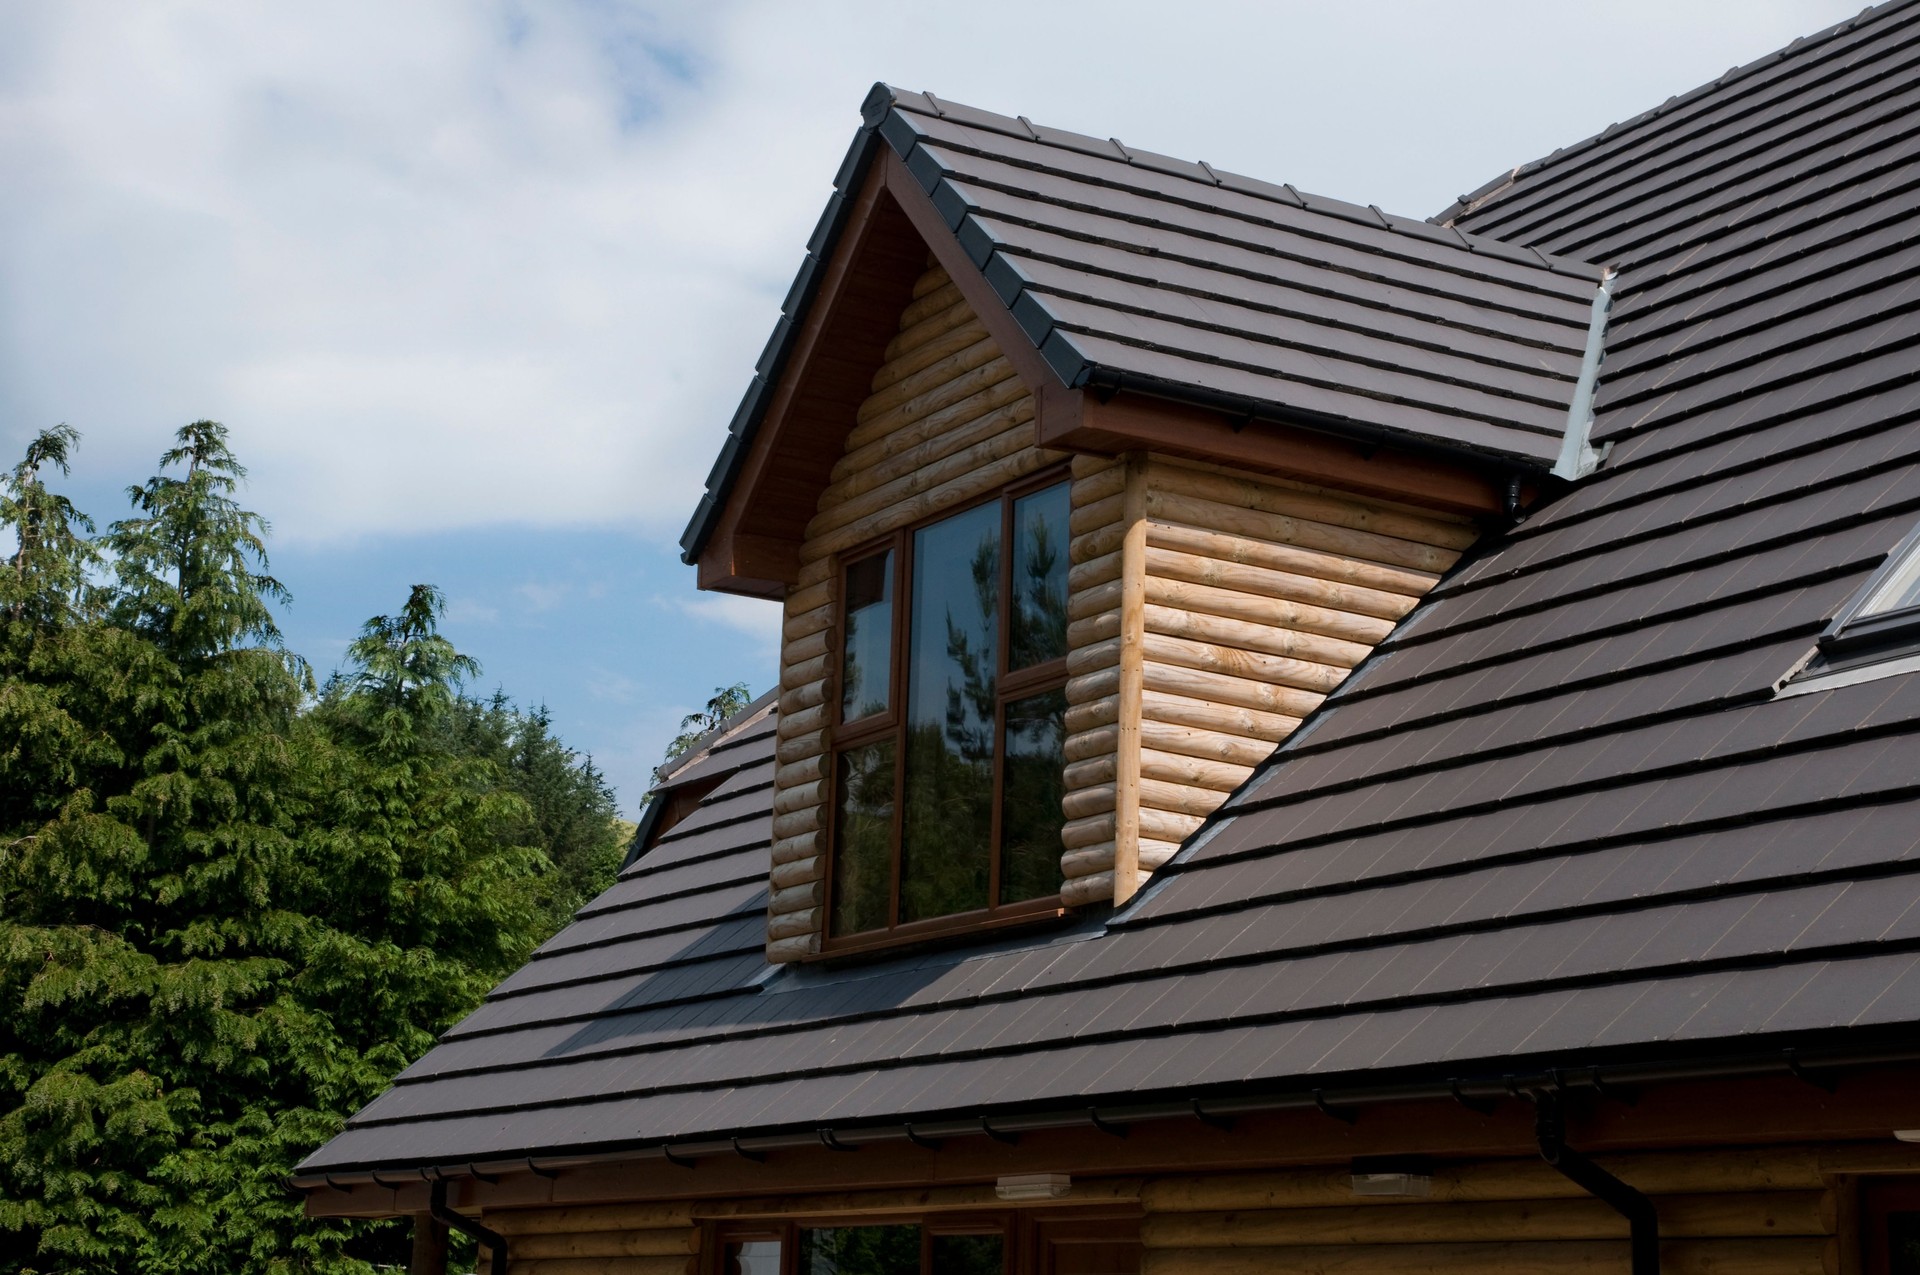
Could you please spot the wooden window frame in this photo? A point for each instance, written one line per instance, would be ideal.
(1029, 1234)
(1009, 688)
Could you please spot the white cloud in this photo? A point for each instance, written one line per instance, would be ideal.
(444, 264)
(750, 616)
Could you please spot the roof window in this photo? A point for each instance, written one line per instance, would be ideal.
(1877, 634)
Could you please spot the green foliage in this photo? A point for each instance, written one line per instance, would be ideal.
(230, 910)
(726, 701)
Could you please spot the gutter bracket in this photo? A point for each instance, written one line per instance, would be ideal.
(496, 1245)
(1578, 458)
(1550, 1130)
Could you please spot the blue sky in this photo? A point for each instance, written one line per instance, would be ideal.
(477, 285)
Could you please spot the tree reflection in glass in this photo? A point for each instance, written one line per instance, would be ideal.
(1034, 779)
(1039, 627)
(860, 1250)
(866, 660)
(952, 675)
(863, 823)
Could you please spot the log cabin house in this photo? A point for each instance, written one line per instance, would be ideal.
(1283, 759)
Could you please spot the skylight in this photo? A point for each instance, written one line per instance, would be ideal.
(1884, 618)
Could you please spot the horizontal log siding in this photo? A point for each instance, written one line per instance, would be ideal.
(1751, 1212)
(946, 423)
(613, 1239)
(1253, 598)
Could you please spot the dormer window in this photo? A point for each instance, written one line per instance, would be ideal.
(949, 741)
(1875, 635)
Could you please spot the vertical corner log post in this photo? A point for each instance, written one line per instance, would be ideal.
(1133, 607)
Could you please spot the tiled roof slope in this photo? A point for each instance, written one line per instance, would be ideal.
(1559, 819)
(1171, 277)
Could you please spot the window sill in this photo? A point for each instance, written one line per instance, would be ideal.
(945, 931)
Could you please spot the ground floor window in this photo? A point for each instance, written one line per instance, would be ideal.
(980, 1244)
(1890, 1217)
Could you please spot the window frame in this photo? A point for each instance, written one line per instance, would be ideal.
(1881, 635)
(845, 735)
(1031, 1235)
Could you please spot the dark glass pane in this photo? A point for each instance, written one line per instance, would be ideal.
(860, 1250)
(1039, 627)
(1035, 778)
(863, 830)
(952, 663)
(751, 1257)
(866, 658)
(1903, 1244)
(968, 1255)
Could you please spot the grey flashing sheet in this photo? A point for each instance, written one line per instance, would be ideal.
(1135, 269)
(1559, 817)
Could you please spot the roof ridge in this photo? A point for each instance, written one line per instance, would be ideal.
(1473, 200)
(884, 97)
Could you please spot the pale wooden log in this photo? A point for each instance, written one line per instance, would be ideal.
(1096, 600)
(904, 364)
(596, 1217)
(1087, 464)
(924, 446)
(1274, 670)
(804, 672)
(1174, 709)
(1083, 715)
(936, 399)
(1358, 547)
(801, 744)
(1093, 686)
(1274, 612)
(1328, 508)
(1195, 772)
(602, 1266)
(799, 796)
(1209, 746)
(804, 771)
(1739, 1215)
(1264, 638)
(812, 573)
(681, 1242)
(1130, 821)
(805, 648)
(873, 509)
(1089, 659)
(1080, 891)
(1096, 486)
(1086, 745)
(1101, 513)
(1154, 853)
(808, 695)
(1220, 573)
(796, 948)
(1094, 571)
(1090, 772)
(1088, 801)
(948, 373)
(913, 335)
(1233, 691)
(1078, 834)
(1340, 594)
(1340, 568)
(1166, 825)
(803, 845)
(1522, 1257)
(1096, 544)
(934, 500)
(795, 898)
(1005, 401)
(793, 924)
(807, 722)
(798, 872)
(1094, 629)
(1084, 862)
(818, 620)
(795, 822)
(930, 1199)
(1177, 798)
(932, 279)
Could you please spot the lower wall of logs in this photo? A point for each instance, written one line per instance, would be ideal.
(1210, 612)
(614, 1239)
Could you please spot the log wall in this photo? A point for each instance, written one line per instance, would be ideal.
(1211, 611)
(612, 1239)
(947, 422)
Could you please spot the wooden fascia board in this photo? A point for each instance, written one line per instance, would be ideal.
(1756, 1111)
(734, 561)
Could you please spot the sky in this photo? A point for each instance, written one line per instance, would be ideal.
(476, 286)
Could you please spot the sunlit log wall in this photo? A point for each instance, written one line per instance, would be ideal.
(947, 422)
(1210, 612)
(611, 1239)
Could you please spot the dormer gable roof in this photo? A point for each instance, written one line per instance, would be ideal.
(1108, 269)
